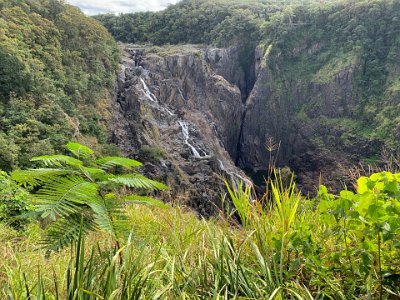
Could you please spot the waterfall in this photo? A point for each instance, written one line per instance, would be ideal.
(149, 95)
(221, 165)
(147, 92)
(185, 132)
(180, 92)
(165, 108)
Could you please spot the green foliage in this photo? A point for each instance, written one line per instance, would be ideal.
(368, 224)
(289, 248)
(353, 237)
(13, 77)
(56, 67)
(345, 51)
(191, 21)
(83, 187)
(14, 202)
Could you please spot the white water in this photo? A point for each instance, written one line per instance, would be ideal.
(180, 92)
(149, 95)
(147, 92)
(185, 132)
(221, 165)
(168, 111)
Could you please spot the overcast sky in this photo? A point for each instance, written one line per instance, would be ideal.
(93, 7)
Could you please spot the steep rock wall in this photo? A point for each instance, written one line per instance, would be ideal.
(316, 114)
(174, 111)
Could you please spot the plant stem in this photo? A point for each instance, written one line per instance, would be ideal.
(380, 266)
(348, 251)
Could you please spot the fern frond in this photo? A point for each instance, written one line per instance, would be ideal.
(64, 196)
(35, 177)
(93, 173)
(144, 200)
(109, 215)
(65, 230)
(106, 163)
(58, 160)
(135, 199)
(79, 150)
(138, 181)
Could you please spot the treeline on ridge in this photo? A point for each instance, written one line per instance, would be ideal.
(56, 66)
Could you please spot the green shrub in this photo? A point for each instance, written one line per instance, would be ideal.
(14, 202)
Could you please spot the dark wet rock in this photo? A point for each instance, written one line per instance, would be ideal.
(156, 93)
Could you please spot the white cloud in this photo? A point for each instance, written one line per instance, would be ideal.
(92, 7)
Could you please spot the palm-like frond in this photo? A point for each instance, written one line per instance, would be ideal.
(70, 190)
(144, 200)
(138, 181)
(65, 230)
(108, 162)
(108, 214)
(64, 196)
(93, 173)
(79, 150)
(35, 177)
(58, 160)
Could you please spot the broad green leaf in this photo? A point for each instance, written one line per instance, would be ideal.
(364, 202)
(362, 185)
(347, 195)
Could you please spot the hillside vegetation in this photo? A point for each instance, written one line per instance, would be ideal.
(70, 224)
(284, 247)
(331, 69)
(56, 68)
(347, 54)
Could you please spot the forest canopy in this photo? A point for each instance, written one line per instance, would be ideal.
(56, 66)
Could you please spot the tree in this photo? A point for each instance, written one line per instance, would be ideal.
(13, 78)
(71, 189)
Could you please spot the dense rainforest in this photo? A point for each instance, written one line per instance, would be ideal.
(57, 66)
(305, 45)
(200, 92)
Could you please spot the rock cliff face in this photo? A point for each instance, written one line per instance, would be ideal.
(180, 112)
(274, 114)
(313, 120)
(194, 114)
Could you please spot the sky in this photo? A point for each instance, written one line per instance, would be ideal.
(93, 7)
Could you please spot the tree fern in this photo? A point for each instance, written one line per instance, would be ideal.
(60, 233)
(74, 188)
(106, 163)
(109, 214)
(35, 177)
(138, 181)
(80, 151)
(62, 196)
(58, 160)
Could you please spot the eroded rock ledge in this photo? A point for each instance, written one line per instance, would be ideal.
(180, 111)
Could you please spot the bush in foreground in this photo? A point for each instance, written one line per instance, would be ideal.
(331, 247)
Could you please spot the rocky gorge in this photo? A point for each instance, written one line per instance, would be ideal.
(181, 113)
(196, 115)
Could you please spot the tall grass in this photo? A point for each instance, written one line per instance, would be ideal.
(279, 249)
